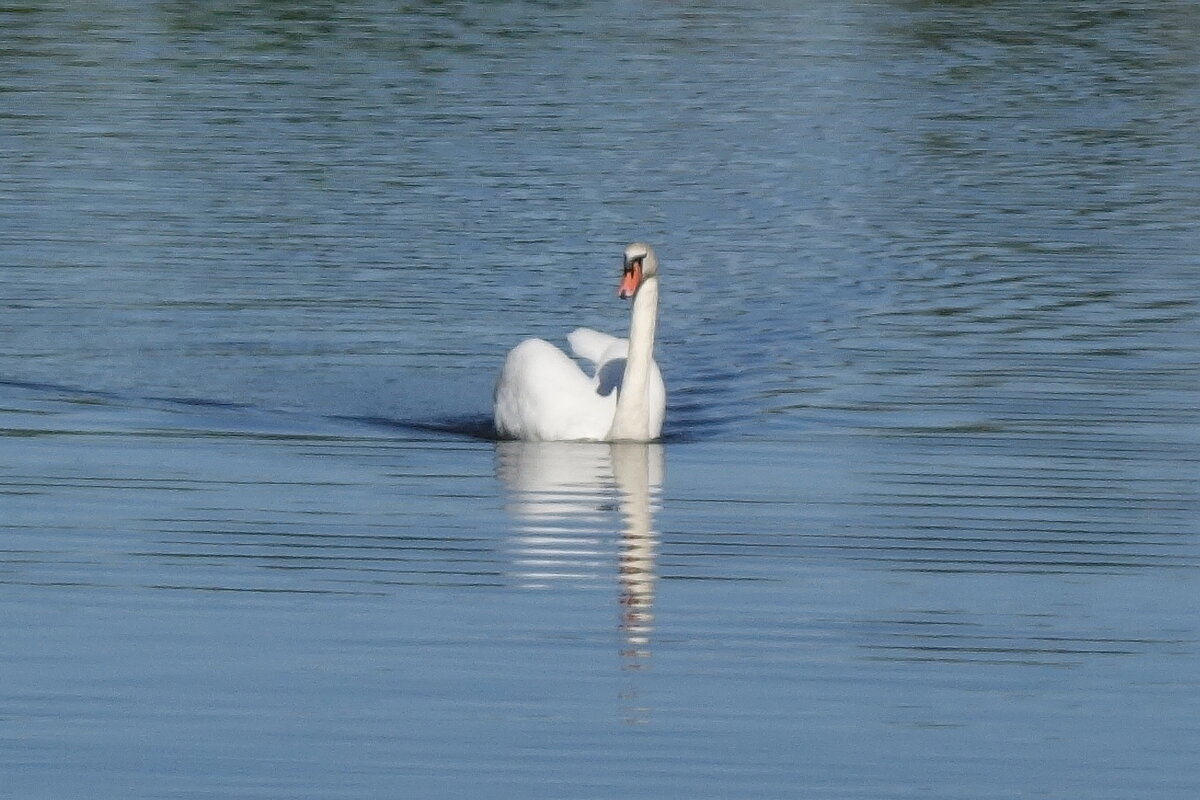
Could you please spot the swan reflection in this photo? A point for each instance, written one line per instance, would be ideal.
(563, 496)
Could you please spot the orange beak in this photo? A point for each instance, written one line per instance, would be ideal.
(631, 279)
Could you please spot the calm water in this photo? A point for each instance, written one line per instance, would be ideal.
(925, 520)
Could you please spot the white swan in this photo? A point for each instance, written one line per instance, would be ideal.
(542, 395)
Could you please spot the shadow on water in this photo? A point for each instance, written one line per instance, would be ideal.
(60, 391)
(481, 427)
(469, 427)
(462, 426)
(465, 426)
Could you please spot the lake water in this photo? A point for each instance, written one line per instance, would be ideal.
(924, 520)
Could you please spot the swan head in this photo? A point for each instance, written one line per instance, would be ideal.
(640, 264)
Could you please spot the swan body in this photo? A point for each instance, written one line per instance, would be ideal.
(543, 395)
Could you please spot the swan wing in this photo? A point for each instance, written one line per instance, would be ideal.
(592, 345)
(542, 395)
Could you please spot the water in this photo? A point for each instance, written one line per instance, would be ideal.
(924, 522)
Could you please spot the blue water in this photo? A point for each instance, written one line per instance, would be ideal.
(924, 519)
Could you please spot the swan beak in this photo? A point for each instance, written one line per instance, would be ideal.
(631, 279)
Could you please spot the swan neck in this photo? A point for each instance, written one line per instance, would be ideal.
(631, 420)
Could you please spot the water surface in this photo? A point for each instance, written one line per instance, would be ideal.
(924, 521)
